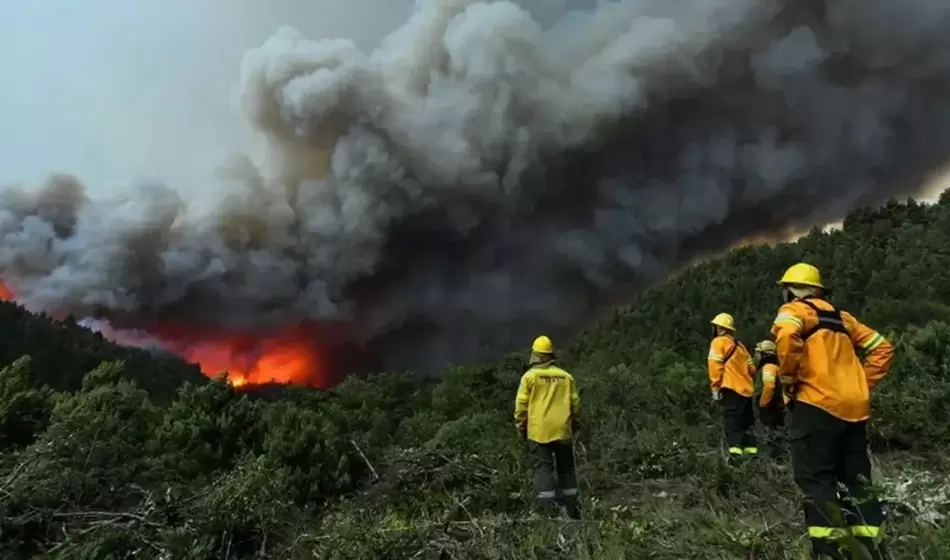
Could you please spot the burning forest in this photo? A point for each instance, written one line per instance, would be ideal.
(290, 355)
(479, 178)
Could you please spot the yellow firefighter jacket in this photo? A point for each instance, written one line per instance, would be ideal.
(731, 366)
(816, 349)
(546, 404)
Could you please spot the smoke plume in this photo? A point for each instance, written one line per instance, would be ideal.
(479, 179)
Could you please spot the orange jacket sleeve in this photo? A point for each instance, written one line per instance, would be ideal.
(716, 362)
(787, 331)
(768, 384)
(879, 352)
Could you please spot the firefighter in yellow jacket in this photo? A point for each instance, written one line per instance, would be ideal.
(773, 399)
(829, 409)
(547, 410)
(731, 379)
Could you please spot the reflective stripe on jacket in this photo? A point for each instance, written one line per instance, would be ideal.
(817, 358)
(546, 403)
(769, 375)
(735, 371)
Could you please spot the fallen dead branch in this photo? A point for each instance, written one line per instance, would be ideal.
(365, 460)
(106, 517)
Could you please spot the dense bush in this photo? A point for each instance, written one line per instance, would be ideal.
(141, 458)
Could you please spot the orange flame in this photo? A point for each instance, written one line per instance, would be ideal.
(5, 293)
(286, 356)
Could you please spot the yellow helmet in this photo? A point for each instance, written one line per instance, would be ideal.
(542, 345)
(765, 347)
(725, 321)
(802, 274)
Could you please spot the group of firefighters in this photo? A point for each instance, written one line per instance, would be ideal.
(815, 388)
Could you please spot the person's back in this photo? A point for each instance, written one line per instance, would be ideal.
(829, 392)
(732, 382)
(550, 394)
(547, 406)
(772, 399)
(830, 374)
(736, 363)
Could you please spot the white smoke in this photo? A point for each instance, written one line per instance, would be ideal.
(479, 178)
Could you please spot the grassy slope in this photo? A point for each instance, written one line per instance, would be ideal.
(653, 470)
(394, 468)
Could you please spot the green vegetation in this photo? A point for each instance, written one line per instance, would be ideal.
(123, 462)
(61, 350)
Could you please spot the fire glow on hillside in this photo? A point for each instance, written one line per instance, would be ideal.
(286, 356)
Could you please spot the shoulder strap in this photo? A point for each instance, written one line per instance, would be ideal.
(728, 356)
(827, 319)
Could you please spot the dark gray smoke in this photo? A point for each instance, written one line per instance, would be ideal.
(478, 180)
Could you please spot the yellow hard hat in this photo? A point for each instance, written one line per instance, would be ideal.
(725, 321)
(542, 345)
(765, 347)
(802, 274)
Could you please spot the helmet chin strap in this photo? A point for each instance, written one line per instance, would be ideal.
(787, 295)
(719, 331)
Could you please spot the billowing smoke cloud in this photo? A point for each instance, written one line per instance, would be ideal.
(479, 179)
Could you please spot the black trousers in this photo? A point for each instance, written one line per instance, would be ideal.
(773, 421)
(555, 477)
(738, 422)
(825, 451)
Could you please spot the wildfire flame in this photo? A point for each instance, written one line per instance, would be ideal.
(286, 356)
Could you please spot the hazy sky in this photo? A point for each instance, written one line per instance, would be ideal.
(116, 91)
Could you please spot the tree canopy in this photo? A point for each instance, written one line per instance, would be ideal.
(108, 452)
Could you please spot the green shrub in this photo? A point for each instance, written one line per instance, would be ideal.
(125, 462)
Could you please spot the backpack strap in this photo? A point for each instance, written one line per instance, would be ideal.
(728, 356)
(827, 320)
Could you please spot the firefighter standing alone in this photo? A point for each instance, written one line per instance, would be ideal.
(731, 379)
(829, 410)
(547, 410)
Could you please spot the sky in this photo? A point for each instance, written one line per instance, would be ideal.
(118, 92)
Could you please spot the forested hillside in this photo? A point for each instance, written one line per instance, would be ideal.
(108, 466)
(62, 350)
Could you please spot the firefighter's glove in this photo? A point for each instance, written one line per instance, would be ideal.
(715, 396)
